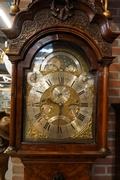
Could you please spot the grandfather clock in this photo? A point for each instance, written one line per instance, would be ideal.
(60, 53)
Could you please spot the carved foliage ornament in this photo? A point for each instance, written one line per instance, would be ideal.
(62, 9)
(44, 19)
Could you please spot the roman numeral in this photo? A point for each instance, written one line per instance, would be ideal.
(84, 104)
(81, 117)
(61, 80)
(81, 92)
(39, 91)
(36, 104)
(37, 116)
(48, 82)
(59, 129)
(72, 126)
(29, 104)
(72, 83)
(47, 126)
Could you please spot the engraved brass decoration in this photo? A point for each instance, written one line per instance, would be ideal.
(62, 9)
(15, 7)
(86, 132)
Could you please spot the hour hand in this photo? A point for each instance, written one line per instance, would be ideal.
(60, 108)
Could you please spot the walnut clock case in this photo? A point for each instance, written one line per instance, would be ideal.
(60, 54)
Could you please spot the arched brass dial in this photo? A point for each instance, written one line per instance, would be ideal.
(61, 94)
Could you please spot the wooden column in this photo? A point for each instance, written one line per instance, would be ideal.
(105, 107)
(13, 109)
(106, 63)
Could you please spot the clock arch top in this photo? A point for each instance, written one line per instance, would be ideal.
(80, 17)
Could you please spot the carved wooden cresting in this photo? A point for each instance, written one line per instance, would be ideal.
(79, 20)
(62, 9)
(82, 23)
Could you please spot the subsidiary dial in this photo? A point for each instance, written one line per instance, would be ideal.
(33, 78)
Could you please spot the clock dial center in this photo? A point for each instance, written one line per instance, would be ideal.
(60, 94)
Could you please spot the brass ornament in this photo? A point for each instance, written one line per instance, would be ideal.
(14, 9)
(87, 132)
(2, 53)
(106, 12)
(31, 132)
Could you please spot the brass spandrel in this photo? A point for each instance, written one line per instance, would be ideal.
(87, 132)
(31, 132)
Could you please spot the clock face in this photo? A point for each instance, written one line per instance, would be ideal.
(59, 96)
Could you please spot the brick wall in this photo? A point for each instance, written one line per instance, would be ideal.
(104, 169)
(15, 169)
